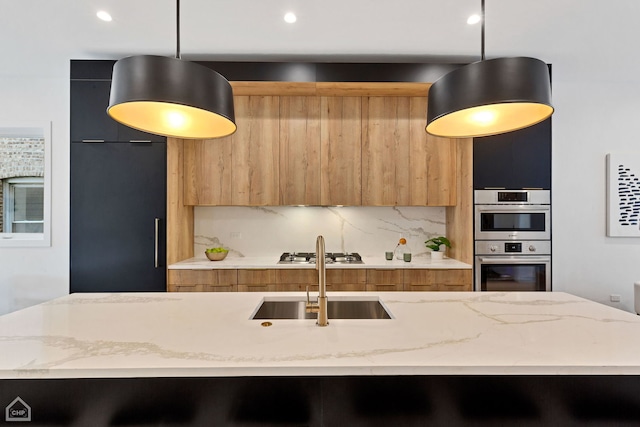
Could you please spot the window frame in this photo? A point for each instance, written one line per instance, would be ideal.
(30, 130)
(9, 185)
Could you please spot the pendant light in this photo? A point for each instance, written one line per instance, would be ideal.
(171, 97)
(489, 97)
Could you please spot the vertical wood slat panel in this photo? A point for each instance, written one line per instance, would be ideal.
(208, 171)
(385, 151)
(341, 146)
(299, 150)
(255, 151)
(459, 218)
(432, 164)
(441, 171)
(179, 220)
(419, 160)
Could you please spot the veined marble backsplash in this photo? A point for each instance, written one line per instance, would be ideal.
(264, 231)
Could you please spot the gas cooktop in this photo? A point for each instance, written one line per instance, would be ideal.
(330, 258)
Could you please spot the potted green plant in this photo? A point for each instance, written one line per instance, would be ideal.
(435, 243)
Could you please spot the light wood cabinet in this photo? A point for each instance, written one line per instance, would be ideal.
(432, 163)
(257, 280)
(293, 280)
(202, 281)
(297, 280)
(255, 151)
(385, 151)
(384, 280)
(299, 150)
(438, 280)
(401, 164)
(346, 280)
(341, 147)
(241, 169)
(207, 172)
(324, 150)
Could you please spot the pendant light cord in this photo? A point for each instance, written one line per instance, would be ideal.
(482, 31)
(178, 28)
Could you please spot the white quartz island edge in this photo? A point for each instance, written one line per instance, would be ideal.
(232, 262)
(211, 334)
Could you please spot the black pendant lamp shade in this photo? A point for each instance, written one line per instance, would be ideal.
(490, 97)
(171, 97)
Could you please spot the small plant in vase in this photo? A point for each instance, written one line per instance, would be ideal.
(435, 243)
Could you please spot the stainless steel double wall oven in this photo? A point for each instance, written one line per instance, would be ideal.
(512, 230)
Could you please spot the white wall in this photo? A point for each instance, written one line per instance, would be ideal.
(35, 91)
(596, 87)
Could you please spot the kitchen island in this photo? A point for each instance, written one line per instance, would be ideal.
(439, 357)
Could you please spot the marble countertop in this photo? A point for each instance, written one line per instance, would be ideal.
(211, 334)
(231, 262)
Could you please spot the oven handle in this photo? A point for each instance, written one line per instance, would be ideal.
(519, 260)
(514, 208)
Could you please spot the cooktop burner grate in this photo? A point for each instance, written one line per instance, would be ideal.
(330, 258)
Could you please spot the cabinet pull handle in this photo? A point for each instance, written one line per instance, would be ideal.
(135, 141)
(155, 249)
(92, 140)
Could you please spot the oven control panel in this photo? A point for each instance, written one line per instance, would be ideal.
(500, 247)
(512, 197)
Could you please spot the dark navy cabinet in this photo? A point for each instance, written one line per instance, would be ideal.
(90, 121)
(513, 160)
(118, 211)
(118, 193)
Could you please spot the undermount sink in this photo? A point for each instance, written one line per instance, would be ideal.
(338, 308)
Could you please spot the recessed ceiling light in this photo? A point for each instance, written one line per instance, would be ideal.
(473, 19)
(104, 16)
(290, 17)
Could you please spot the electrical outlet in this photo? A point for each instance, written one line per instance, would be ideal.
(235, 235)
(614, 298)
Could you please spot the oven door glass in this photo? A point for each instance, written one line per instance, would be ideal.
(512, 221)
(498, 277)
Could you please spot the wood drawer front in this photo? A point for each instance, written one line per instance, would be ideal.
(192, 277)
(185, 288)
(384, 287)
(297, 277)
(202, 280)
(349, 277)
(337, 287)
(346, 287)
(257, 277)
(269, 287)
(438, 280)
(384, 280)
(384, 277)
(220, 288)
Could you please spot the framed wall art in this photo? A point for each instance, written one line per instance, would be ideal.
(623, 194)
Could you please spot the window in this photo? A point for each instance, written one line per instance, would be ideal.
(23, 205)
(25, 184)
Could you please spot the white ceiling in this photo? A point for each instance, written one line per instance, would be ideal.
(37, 31)
(239, 29)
